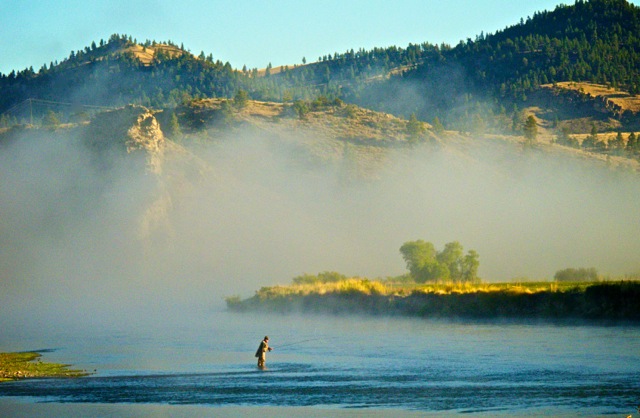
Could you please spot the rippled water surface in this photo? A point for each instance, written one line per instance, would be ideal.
(333, 363)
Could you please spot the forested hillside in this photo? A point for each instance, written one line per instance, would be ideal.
(480, 84)
(595, 41)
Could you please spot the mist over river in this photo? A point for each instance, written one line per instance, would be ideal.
(204, 365)
(120, 271)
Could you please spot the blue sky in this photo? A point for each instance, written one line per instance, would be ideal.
(250, 32)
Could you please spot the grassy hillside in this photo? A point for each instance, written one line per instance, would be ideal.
(329, 131)
(481, 85)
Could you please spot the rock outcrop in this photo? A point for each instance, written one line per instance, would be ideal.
(131, 137)
(130, 129)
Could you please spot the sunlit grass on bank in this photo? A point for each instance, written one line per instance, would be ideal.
(391, 288)
(613, 299)
(27, 365)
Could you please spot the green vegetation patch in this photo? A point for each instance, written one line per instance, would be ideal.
(27, 365)
(444, 284)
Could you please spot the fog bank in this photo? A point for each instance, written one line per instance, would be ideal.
(88, 244)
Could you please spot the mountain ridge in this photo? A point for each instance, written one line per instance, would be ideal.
(545, 67)
(569, 43)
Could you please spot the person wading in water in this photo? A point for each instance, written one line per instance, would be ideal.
(262, 352)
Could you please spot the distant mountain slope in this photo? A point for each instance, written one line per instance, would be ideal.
(120, 72)
(595, 41)
(479, 85)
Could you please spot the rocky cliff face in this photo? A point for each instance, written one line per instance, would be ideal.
(145, 135)
(131, 129)
(131, 137)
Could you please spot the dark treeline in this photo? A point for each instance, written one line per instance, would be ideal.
(601, 301)
(488, 78)
(103, 75)
(477, 85)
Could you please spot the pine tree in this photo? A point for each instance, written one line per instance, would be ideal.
(530, 130)
(174, 127)
(415, 128)
(591, 140)
(632, 143)
(240, 99)
(617, 145)
(437, 126)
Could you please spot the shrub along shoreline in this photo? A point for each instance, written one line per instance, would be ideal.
(618, 301)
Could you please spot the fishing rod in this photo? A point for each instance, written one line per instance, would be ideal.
(300, 342)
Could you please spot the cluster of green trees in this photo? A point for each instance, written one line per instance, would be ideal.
(629, 147)
(425, 264)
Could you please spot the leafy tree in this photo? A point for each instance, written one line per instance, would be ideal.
(451, 257)
(470, 265)
(425, 264)
(417, 254)
(435, 272)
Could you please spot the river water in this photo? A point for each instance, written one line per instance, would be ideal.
(329, 365)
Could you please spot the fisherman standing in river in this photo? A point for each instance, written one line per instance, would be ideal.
(262, 352)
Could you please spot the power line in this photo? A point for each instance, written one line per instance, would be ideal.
(20, 107)
(70, 104)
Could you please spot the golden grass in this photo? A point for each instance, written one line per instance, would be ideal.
(369, 287)
(352, 285)
(145, 54)
(554, 300)
(619, 97)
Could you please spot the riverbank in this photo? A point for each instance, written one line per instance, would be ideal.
(23, 408)
(548, 300)
(28, 365)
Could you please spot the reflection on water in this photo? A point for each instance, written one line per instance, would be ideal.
(378, 363)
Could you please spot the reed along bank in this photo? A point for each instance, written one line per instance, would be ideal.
(619, 301)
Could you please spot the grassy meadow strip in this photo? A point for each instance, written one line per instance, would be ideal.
(14, 366)
(617, 300)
